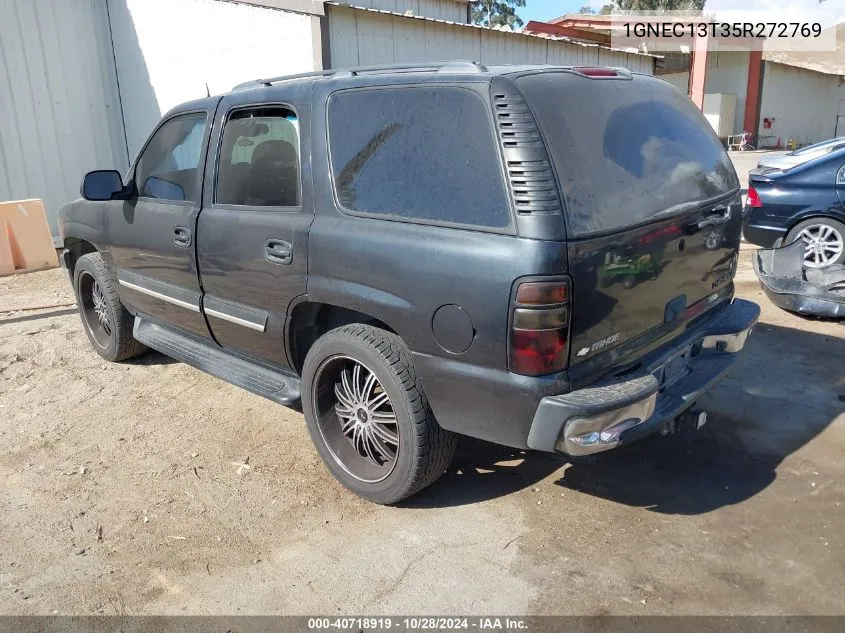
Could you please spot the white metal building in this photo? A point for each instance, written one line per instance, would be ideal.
(361, 36)
(83, 81)
(795, 102)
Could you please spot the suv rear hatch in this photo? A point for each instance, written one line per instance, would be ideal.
(652, 209)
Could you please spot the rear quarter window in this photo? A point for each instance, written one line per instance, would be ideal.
(417, 153)
(626, 151)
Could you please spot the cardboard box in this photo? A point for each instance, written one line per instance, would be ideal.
(25, 238)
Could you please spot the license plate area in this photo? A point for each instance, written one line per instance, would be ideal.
(674, 369)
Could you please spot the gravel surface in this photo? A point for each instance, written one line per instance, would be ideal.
(149, 487)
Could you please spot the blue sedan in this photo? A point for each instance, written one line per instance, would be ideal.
(804, 201)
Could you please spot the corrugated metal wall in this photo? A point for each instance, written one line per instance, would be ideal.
(803, 103)
(453, 10)
(59, 110)
(727, 73)
(679, 80)
(164, 62)
(360, 37)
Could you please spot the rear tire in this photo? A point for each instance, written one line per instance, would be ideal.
(826, 239)
(369, 417)
(106, 322)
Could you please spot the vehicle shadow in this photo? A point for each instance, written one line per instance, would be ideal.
(39, 315)
(777, 398)
(481, 471)
(151, 357)
(684, 475)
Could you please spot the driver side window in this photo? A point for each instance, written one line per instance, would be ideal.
(168, 168)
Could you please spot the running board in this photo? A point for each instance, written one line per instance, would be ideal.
(273, 385)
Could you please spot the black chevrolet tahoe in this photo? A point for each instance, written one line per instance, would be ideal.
(537, 256)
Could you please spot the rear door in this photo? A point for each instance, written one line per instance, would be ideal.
(652, 210)
(252, 234)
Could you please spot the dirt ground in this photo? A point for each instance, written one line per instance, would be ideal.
(151, 488)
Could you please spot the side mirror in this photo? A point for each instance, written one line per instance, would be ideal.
(105, 184)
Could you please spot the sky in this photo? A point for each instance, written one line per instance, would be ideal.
(543, 10)
(547, 9)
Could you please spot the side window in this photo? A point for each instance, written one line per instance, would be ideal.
(168, 168)
(425, 153)
(259, 159)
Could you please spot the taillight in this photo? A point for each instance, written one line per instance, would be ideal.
(539, 328)
(754, 198)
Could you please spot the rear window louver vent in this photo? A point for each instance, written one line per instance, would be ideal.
(532, 182)
(516, 123)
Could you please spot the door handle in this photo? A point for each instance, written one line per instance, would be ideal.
(721, 214)
(181, 236)
(278, 252)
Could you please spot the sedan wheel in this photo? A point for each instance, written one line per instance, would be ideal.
(822, 245)
(824, 242)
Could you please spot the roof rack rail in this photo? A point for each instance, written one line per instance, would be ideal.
(453, 66)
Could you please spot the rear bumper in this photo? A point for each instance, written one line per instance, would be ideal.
(782, 278)
(762, 235)
(665, 384)
(802, 304)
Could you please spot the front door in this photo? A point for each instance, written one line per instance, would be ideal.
(151, 236)
(252, 233)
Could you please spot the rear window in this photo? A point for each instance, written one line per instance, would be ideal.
(626, 151)
(418, 153)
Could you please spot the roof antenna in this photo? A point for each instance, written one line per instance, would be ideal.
(207, 91)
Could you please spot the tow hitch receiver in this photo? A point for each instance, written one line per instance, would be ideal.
(687, 423)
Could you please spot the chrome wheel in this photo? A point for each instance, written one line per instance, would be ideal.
(100, 308)
(356, 418)
(95, 310)
(823, 245)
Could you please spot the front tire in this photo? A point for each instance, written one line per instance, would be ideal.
(369, 417)
(824, 241)
(107, 323)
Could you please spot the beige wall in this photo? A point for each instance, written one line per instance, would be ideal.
(803, 103)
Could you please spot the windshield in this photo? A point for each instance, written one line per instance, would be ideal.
(626, 151)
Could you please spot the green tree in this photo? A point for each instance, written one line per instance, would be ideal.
(492, 13)
(608, 8)
(658, 5)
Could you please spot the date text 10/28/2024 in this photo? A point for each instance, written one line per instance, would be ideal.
(418, 624)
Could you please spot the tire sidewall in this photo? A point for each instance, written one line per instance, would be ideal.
(794, 232)
(393, 487)
(86, 265)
